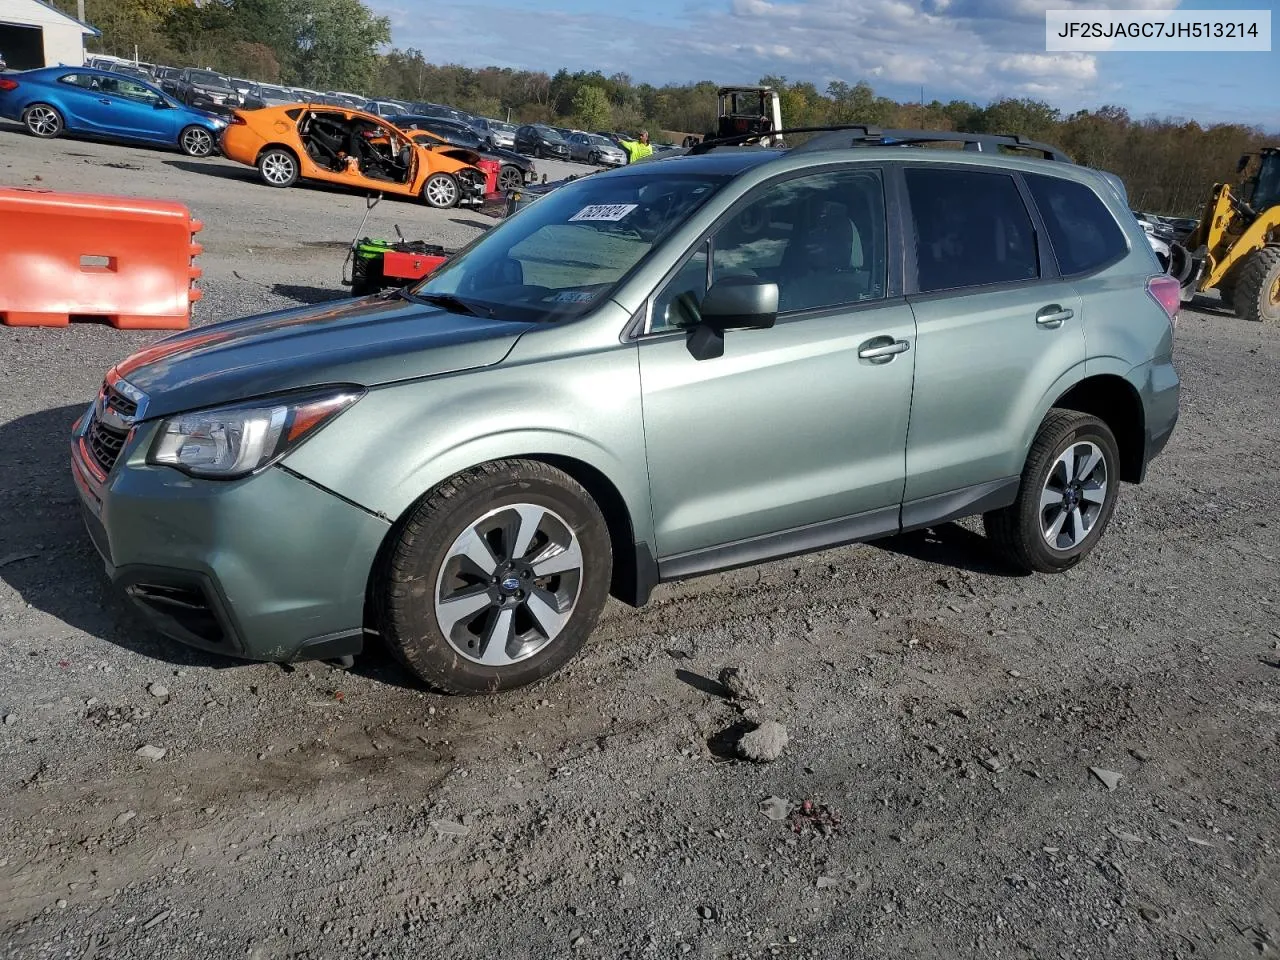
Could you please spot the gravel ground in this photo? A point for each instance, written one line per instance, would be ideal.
(934, 796)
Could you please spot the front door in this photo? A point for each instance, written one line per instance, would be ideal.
(996, 330)
(138, 111)
(795, 437)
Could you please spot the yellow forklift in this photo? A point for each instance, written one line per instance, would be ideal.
(1236, 246)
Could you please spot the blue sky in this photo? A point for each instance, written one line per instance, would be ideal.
(972, 49)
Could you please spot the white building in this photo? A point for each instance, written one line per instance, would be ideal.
(34, 34)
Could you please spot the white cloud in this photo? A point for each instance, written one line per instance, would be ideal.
(975, 49)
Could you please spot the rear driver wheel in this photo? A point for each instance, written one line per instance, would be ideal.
(42, 121)
(1066, 497)
(278, 167)
(496, 579)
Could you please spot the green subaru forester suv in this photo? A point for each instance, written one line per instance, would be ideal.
(682, 366)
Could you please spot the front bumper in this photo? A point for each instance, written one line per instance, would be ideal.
(269, 567)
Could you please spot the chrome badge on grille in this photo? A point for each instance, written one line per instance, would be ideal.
(120, 403)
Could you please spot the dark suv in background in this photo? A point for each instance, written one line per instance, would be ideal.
(204, 89)
(538, 140)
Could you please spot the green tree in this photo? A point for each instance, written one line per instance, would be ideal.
(336, 43)
(591, 108)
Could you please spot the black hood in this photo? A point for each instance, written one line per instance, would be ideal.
(365, 342)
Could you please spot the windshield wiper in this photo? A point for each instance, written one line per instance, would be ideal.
(448, 301)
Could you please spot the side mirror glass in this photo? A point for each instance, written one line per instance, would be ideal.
(740, 303)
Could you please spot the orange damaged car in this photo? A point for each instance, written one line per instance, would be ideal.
(351, 148)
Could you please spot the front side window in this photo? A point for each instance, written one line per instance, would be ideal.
(564, 254)
(1084, 234)
(821, 238)
(972, 229)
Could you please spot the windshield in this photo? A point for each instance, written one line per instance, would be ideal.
(209, 79)
(278, 93)
(548, 133)
(502, 127)
(600, 141)
(564, 254)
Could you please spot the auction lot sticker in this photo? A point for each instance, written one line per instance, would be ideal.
(603, 211)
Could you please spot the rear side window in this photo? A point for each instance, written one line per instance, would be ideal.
(972, 229)
(1084, 234)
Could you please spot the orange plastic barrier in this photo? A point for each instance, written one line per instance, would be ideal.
(130, 262)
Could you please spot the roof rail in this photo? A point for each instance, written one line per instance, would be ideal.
(838, 136)
(865, 136)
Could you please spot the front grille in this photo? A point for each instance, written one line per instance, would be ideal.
(122, 404)
(105, 444)
(109, 427)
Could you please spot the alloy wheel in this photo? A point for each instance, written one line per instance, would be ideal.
(43, 121)
(510, 179)
(277, 168)
(442, 191)
(198, 142)
(1073, 496)
(509, 584)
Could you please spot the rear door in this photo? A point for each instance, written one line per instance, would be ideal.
(997, 329)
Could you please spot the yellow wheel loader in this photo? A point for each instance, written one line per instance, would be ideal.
(1236, 246)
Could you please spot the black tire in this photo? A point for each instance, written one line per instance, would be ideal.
(408, 582)
(510, 177)
(193, 145)
(1256, 297)
(278, 167)
(1017, 529)
(594, 158)
(43, 120)
(442, 191)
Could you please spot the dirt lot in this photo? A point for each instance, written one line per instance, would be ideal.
(943, 714)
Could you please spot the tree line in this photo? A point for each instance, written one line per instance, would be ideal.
(1167, 164)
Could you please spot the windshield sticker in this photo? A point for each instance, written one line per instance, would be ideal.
(573, 296)
(608, 212)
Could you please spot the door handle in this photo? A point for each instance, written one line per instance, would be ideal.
(882, 349)
(104, 100)
(1053, 316)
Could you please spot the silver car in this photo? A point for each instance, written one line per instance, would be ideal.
(595, 149)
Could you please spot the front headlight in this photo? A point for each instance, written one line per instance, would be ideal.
(229, 442)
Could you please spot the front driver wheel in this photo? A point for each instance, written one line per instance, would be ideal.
(42, 121)
(1066, 497)
(496, 579)
(510, 178)
(278, 168)
(196, 142)
(441, 191)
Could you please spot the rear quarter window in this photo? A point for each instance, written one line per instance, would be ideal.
(1084, 234)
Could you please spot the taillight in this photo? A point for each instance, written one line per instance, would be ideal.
(7, 84)
(1166, 291)
(237, 117)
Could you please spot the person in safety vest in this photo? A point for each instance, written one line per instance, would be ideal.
(637, 149)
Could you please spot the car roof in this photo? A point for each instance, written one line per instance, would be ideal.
(738, 160)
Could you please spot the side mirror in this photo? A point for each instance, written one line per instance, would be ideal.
(740, 303)
(162, 105)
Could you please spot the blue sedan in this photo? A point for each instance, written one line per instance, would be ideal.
(99, 103)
